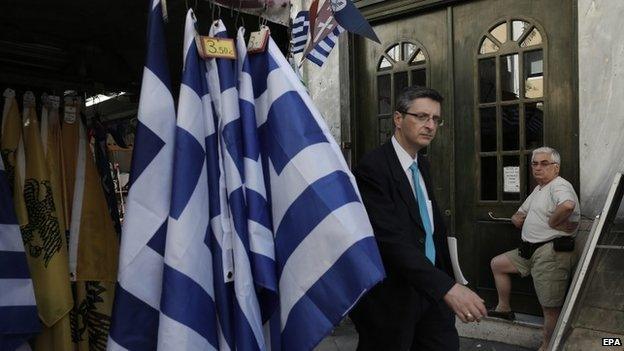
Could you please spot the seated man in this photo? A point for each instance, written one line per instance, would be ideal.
(548, 219)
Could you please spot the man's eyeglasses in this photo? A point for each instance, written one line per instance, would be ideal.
(423, 118)
(543, 163)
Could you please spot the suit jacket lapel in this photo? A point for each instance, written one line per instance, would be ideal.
(402, 184)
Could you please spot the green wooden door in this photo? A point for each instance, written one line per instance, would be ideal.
(508, 71)
(413, 51)
(514, 74)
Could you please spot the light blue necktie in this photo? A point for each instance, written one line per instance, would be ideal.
(424, 213)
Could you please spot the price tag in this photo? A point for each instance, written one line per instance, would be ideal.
(9, 93)
(217, 47)
(54, 101)
(258, 40)
(29, 99)
(70, 110)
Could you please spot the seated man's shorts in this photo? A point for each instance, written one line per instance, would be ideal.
(551, 272)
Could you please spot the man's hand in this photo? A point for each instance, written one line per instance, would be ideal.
(467, 305)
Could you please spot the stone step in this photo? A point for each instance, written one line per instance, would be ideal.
(525, 331)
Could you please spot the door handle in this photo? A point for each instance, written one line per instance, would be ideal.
(500, 219)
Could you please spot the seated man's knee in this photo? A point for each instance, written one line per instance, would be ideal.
(495, 264)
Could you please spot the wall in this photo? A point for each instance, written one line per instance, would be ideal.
(323, 82)
(601, 99)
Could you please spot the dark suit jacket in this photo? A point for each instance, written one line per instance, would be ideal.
(393, 307)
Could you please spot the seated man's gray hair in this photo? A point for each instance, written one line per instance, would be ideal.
(556, 158)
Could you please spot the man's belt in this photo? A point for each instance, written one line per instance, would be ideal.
(560, 244)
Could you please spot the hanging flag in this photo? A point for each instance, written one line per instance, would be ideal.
(12, 149)
(52, 147)
(260, 248)
(323, 35)
(18, 307)
(93, 243)
(220, 228)
(100, 150)
(321, 51)
(313, 11)
(351, 19)
(137, 297)
(325, 251)
(45, 245)
(188, 313)
(299, 31)
(246, 312)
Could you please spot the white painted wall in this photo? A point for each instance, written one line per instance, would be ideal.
(323, 82)
(601, 99)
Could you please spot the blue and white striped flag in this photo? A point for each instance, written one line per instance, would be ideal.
(325, 251)
(246, 310)
(259, 226)
(18, 310)
(220, 224)
(321, 50)
(299, 31)
(188, 314)
(135, 315)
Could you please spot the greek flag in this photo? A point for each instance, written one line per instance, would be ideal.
(188, 313)
(325, 251)
(321, 50)
(135, 316)
(246, 310)
(299, 31)
(18, 308)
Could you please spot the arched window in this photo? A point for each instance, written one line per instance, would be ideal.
(402, 64)
(510, 102)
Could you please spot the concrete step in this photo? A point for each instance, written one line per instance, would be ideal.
(525, 331)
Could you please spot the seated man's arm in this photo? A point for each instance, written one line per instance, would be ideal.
(560, 218)
(518, 219)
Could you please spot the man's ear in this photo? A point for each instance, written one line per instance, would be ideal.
(397, 119)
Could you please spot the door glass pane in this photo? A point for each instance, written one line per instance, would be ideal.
(510, 77)
(534, 125)
(488, 128)
(383, 94)
(487, 80)
(419, 77)
(419, 58)
(518, 28)
(384, 63)
(534, 38)
(400, 82)
(489, 182)
(530, 181)
(488, 47)
(534, 74)
(386, 129)
(393, 52)
(511, 178)
(500, 32)
(408, 50)
(511, 127)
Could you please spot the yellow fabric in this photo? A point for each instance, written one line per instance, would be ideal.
(10, 141)
(98, 246)
(92, 313)
(69, 146)
(54, 161)
(56, 337)
(45, 246)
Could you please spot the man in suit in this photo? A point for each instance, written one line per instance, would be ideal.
(412, 309)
